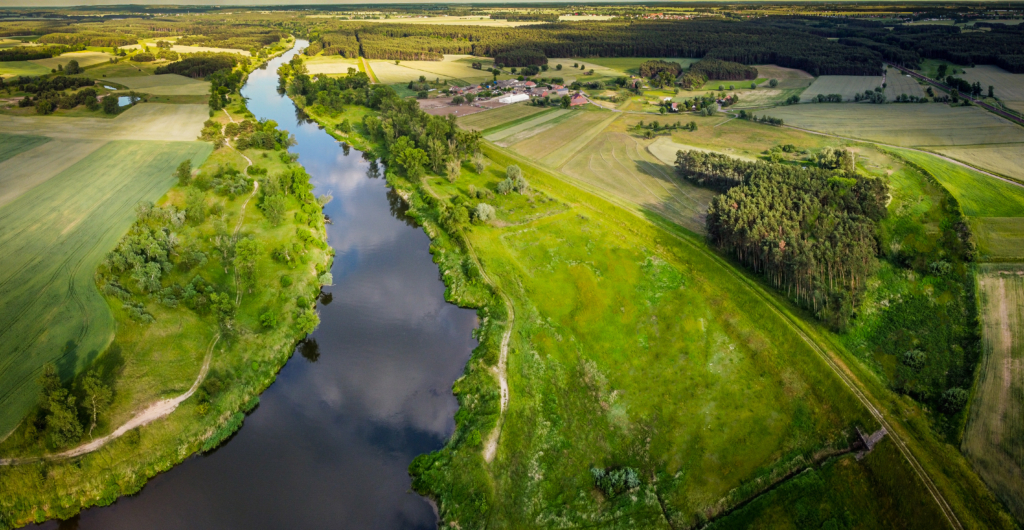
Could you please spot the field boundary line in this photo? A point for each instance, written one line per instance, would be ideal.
(150, 414)
(846, 379)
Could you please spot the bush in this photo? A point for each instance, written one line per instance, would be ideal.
(954, 399)
(483, 212)
(143, 57)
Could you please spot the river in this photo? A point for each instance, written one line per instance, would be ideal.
(331, 441)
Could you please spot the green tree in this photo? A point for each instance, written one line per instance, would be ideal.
(453, 168)
(109, 104)
(184, 173)
(195, 205)
(97, 395)
(565, 102)
(62, 420)
(307, 321)
(72, 68)
(274, 209)
(247, 255)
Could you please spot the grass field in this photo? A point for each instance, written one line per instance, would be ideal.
(54, 236)
(452, 68)
(13, 68)
(84, 59)
(846, 85)
(27, 170)
(519, 130)
(1006, 160)
(979, 195)
(192, 49)
(1008, 87)
(897, 83)
(923, 124)
(549, 146)
(621, 66)
(994, 438)
(12, 145)
(163, 85)
(788, 77)
(495, 117)
(631, 348)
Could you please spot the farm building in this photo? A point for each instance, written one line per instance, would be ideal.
(513, 98)
(578, 99)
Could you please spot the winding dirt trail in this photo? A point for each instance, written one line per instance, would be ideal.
(491, 445)
(152, 413)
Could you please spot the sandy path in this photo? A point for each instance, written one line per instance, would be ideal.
(150, 414)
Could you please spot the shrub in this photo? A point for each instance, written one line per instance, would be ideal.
(954, 399)
(483, 212)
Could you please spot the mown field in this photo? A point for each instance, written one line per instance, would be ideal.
(846, 85)
(517, 130)
(34, 166)
(452, 68)
(147, 121)
(994, 437)
(906, 124)
(13, 68)
(163, 85)
(329, 64)
(54, 236)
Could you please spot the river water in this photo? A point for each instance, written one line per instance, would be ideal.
(330, 443)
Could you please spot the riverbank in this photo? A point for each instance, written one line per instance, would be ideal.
(165, 330)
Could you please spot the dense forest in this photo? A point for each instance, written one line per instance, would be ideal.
(810, 232)
(200, 65)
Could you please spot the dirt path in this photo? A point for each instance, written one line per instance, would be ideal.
(152, 413)
(368, 70)
(491, 445)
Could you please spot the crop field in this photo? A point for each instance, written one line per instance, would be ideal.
(164, 85)
(13, 68)
(1000, 239)
(12, 145)
(121, 69)
(909, 124)
(551, 145)
(452, 67)
(1006, 160)
(660, 359)
(54, 236)
(897, 83)
(788, 77)
(530, 127)
(1008, 87)
(84, 59)
(846, 85)
(994, 437)
(330, 64)
(979, 195)
(194, 49)
(454, 21)
(146, 121)
(621, 165)
(495, 117)
(35, 166)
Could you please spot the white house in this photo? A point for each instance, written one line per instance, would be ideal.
(513, 98)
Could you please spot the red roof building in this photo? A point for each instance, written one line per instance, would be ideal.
(578, 99)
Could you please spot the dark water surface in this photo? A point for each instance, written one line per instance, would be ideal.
(330, 443)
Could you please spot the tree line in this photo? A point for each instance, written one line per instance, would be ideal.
(809, 231)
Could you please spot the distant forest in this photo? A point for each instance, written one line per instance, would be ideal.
(859, 49)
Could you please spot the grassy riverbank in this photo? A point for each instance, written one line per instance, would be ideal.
(185, 284)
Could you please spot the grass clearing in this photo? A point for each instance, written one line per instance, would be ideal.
(452, 67)
(994, 437)
(15, 68)
(626, 66)
(84, 59)
(787, 77)
(1006, 160)
(164, 85)
(54, 237)
(330, 64)
(846, 85)
(979, 195)
(909, 124)
(12, 145)
(121, 69)
(1008, 87)
(192, 49)
(489, 119)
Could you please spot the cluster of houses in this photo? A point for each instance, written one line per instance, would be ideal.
(516, 91)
